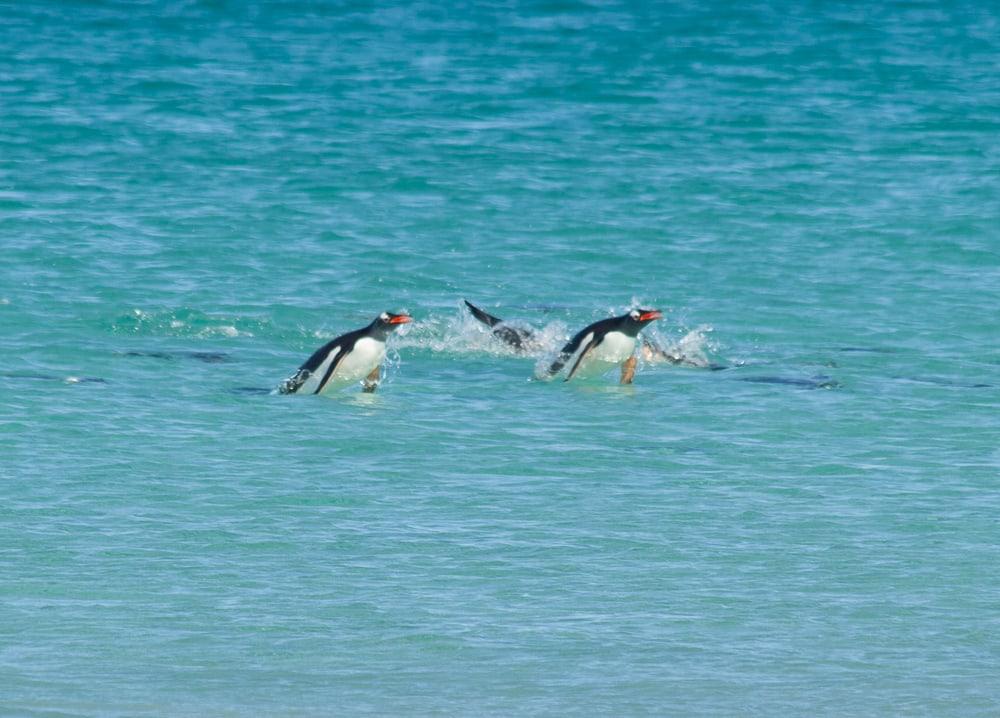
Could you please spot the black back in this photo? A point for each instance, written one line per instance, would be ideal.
(600, 329)
(378, 329)
(513, 336)
(627, 324)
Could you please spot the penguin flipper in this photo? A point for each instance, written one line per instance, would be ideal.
(594, 341)
(305, 379)
(334, 361)
(564, 354)
(487, 319)
(292, 384)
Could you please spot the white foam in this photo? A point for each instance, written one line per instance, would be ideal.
(692, 349)
(225, 330)
(461, 333)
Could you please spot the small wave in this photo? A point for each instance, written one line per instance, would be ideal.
(185, 323)
(815, 382)
(206, 357)
(50, 377)
(251, 391)
(944, 381)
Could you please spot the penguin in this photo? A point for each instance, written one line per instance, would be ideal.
(513, 336)
(603, 344)
(350, 357)
(652, 353)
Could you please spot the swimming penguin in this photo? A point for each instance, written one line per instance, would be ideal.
(348, 358)
(603, 344)
(514, 336)
(653, 353)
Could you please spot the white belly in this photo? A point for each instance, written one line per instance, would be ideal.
(366, 355)
(615, 348)
(611, 352)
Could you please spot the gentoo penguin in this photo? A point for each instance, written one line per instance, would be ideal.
(514, 336)
(348, 358)
(652, 353)
(603, 344)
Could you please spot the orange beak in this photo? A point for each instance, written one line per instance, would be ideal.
(400, 319)
(650, 316)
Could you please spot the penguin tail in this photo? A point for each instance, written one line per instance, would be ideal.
(487, 319)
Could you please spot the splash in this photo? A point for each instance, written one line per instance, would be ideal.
(693, 349)
(461, 333)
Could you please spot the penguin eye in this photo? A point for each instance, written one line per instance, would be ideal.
(383, 316)
(634, 314)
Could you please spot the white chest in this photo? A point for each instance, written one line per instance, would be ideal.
(612, 351)
(615, 348)
(367, 354)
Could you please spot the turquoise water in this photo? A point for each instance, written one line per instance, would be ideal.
(196, 195)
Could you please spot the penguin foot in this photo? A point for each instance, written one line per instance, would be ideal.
(370, 382)
(628, 370)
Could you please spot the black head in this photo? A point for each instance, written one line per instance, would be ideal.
(387, 321)
(636, 319)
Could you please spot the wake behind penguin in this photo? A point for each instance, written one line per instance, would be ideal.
(519, 338)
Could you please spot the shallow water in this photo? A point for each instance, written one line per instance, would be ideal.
(195, 196)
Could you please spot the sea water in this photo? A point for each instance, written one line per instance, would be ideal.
(194, 196)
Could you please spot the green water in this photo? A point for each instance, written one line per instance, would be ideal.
(195, 196)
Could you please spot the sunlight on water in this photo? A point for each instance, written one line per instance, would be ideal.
(791, 511)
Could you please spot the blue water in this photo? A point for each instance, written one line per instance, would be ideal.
(194, 196)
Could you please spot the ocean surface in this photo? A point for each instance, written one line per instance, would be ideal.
(799, 520)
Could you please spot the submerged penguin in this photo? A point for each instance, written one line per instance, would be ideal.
(604, 344)
(348, 358)
(513, 336)
(653, 353)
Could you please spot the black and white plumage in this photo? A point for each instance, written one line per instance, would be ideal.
(604, 344)
(654, 353)
(351, 357)
(515, 337)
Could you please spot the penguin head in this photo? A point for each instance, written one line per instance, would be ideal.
(641, 316)
(638, 318)
(387, 321)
